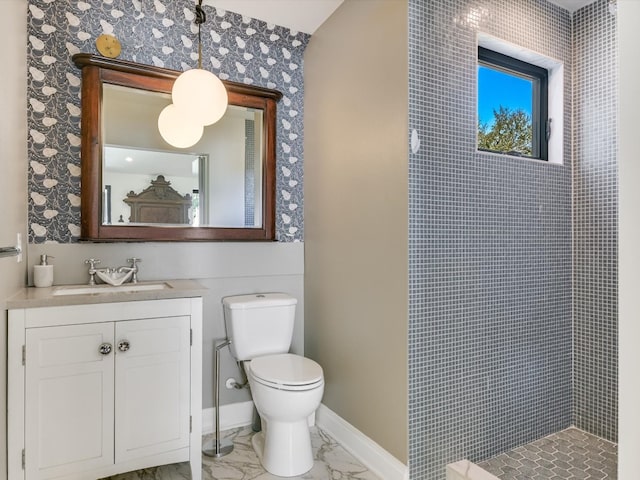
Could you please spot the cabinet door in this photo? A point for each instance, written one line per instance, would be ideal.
(152, 386)
(69, 400)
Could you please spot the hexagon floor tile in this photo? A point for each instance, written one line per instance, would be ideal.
(567, 455)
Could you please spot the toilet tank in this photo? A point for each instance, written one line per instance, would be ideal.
(259, 324)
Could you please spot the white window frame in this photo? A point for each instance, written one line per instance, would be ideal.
(555, 91)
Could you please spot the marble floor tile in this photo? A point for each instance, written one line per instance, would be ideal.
(569, 454)
(332, 462)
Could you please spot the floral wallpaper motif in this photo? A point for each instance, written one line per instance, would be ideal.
(154, 32)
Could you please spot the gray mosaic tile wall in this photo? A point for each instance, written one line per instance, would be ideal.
(595, 185)
(162, 33)
(490, 334)
(249, 173)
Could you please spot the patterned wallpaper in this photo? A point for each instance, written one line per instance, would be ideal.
(161, 33)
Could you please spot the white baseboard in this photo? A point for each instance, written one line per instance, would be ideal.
(231, 416)
(372, 455)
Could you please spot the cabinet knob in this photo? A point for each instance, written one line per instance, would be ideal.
(123, 345)
(105, 348)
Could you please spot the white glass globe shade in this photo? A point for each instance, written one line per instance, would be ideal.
(179, 129)
(201, 94)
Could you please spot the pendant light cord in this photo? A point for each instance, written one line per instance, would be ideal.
(201, 17)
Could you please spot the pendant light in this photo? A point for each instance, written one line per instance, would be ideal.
(178, 129)
(199, 99)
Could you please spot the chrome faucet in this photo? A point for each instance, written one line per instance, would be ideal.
(133, 268)
(92, 262)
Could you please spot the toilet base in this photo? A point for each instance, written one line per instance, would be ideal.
(284, 449)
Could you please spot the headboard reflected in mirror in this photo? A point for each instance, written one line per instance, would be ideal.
(228, 176)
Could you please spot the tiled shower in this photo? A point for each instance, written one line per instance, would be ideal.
(595, 214)
(512, 320)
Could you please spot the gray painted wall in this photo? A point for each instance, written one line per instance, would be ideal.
(595, 221)
(356, 215)
(13, 179)
(223, 268)
(489, 248)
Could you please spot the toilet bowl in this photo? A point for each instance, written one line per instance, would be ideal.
(286, 390)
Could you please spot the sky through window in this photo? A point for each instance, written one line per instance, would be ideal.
(497, 88)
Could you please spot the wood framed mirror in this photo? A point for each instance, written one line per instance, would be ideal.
(225, 183)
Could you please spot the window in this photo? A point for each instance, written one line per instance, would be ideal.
(512, 106)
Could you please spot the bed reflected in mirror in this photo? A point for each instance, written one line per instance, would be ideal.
(161, 181)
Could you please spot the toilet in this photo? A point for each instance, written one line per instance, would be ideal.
(286, 388)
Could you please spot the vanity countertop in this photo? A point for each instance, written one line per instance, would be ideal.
(31, 297)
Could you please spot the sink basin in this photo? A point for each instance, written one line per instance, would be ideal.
(113, 277)
(91, 289)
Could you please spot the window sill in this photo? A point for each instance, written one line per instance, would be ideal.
(516, 157)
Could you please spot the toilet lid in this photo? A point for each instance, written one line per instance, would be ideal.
(286, 369)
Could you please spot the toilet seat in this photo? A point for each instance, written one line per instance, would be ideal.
(286, 372)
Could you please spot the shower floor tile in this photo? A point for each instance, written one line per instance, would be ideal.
(569, 454)
(332, 462)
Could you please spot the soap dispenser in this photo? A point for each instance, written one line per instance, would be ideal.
(43, 273)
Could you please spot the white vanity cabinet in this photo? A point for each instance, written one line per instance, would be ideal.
(96, 390)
